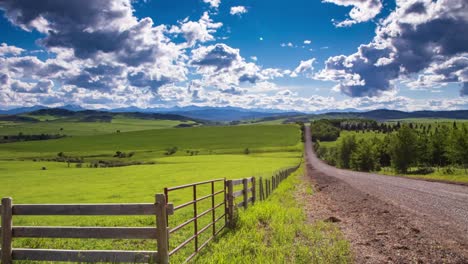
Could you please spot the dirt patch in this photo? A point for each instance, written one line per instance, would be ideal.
(379, 232)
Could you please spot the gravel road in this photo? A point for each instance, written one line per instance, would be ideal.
(422, 221)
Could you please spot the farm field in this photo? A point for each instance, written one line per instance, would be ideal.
(73, 128)
(31, 174)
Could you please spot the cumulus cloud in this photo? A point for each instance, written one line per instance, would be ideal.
(416, 37)
(98, 45)
(307, 42)
(213, 3)
(305, 67)
(223, 66)
(10, 50)
(238, 10)
(362, 11)
(200, 31)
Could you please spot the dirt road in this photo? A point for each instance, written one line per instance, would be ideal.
(391, 219)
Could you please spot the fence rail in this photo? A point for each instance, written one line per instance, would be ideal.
(160, 209)
(196, 215)
(251, 191)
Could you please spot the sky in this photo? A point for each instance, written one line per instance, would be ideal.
(298, 55)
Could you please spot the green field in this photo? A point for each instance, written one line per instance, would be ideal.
(71, 127)
(28, 176)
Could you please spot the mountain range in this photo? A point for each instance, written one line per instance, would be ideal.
(227, 114)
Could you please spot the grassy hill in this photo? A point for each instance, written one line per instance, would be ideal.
(87, 122)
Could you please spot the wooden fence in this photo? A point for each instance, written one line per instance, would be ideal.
(249, 192)
(160, 209)
(196, 215)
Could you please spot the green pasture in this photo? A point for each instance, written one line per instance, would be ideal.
(26, 176)
(75, 128)
(204, 139)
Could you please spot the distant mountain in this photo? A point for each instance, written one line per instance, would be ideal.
(379, 115)
(21, 110)
(92, 115)
(227, 114)
(217, 114)
(394, 114)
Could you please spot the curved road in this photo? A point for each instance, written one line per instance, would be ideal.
(440, 203)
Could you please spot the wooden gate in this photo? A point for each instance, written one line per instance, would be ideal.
(196, 200)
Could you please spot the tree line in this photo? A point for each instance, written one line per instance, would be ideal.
(400, 146)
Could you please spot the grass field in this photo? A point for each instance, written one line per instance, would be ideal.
(220, 154)
(73, 128)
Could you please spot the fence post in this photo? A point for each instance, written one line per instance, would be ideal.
(245, 192)
(7, 220)
(162, 230)
(261, 189)
(267, 187)
(273, 187)
(254, 190)
(230, 203)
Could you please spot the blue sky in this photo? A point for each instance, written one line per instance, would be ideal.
(292, 55)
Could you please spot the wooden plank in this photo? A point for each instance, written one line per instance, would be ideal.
(246, 193)
(241, 204)
(84, 209)
(163, 231)
(86, 232)
(237, 182)
(261, 189)
(7, 223)
(254, 190)
(230, 203)
(238, 193)
(85, 255)
(192, 184)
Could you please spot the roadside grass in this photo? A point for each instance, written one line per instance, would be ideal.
(441, 174)
(276, 231)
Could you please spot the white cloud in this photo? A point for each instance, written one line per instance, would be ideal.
(213, 3)
(362, 11)
(238, 10)
(307, 42)
(305, 67)
(10, 50)
(200, 31)
(418, 37)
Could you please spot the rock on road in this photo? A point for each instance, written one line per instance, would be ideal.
(393, 219)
